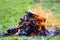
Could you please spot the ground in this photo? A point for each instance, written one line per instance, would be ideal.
(12, 10)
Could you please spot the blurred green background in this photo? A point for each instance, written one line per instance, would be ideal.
(12, 10)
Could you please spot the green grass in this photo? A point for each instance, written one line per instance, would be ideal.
(30, 38)
(12, 10)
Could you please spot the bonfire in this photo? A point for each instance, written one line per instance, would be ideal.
(36, 22)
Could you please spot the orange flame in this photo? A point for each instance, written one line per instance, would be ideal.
(51, 20)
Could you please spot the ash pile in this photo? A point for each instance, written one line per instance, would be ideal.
(31, 25)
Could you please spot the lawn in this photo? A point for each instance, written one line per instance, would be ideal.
(12, 10)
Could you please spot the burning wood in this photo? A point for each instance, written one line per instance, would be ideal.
(34, 23)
